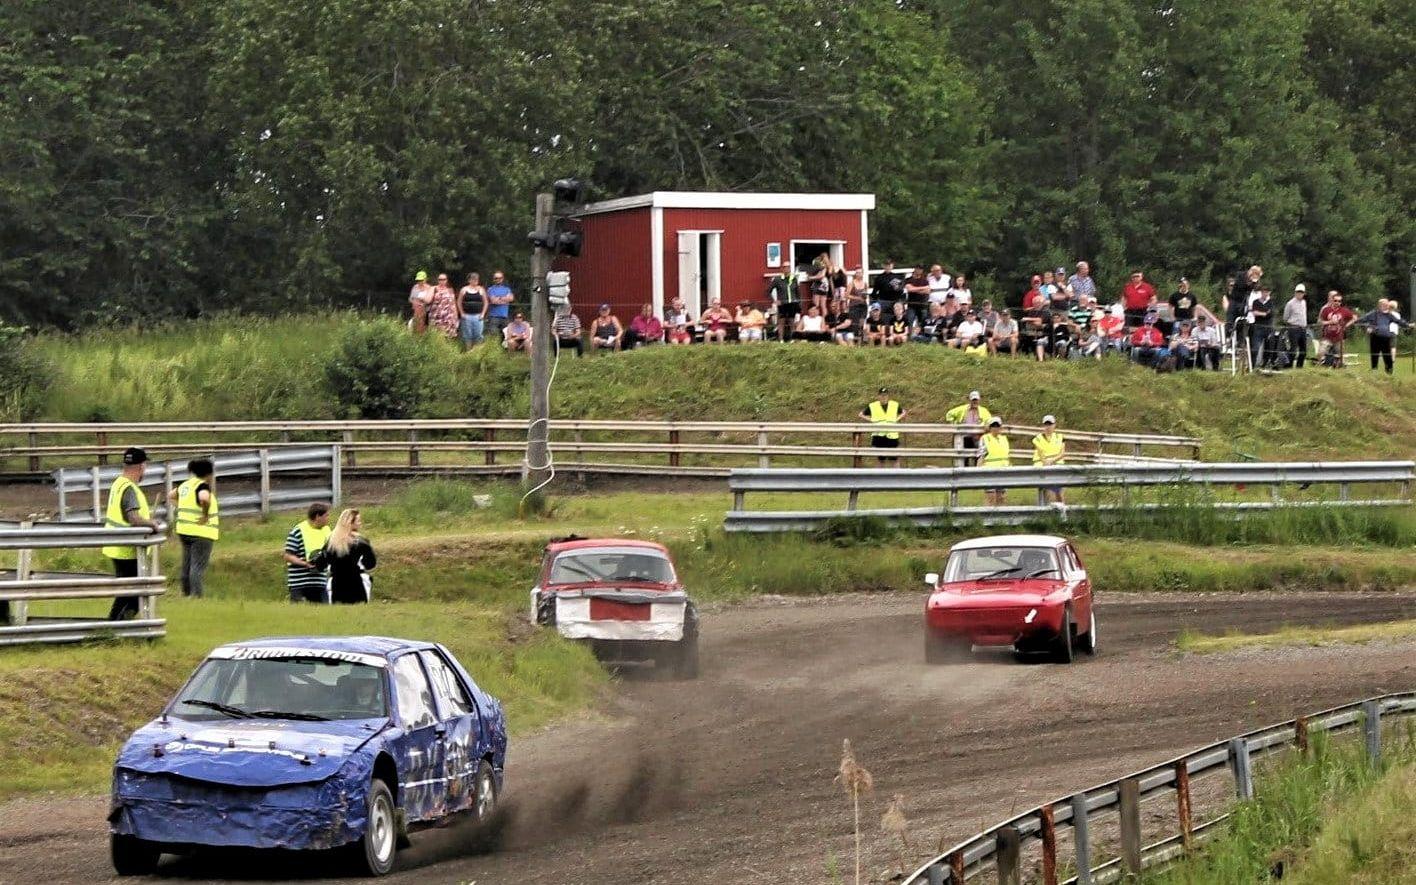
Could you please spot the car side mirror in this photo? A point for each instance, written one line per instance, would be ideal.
(932, 579)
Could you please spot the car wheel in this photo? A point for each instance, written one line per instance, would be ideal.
(380, 843)
(945, 650)
(1062, 645)
(1086, 643)
(486, 791)
(133, 856)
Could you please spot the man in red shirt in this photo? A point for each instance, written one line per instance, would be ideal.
(1147, 344)
(1137, 298)
(1333, 320)
(1033, 298)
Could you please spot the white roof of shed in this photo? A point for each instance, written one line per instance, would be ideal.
(729, 200)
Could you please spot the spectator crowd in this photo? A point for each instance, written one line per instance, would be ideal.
(1062, 315)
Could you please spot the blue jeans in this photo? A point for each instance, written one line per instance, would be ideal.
(471, 329)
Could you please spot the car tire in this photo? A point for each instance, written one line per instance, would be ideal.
(945, 650)
(378, 848)
(1062, 646)
(1086, 643)
(486, 801)
(133, 856)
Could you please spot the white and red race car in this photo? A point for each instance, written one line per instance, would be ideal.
(622, 597)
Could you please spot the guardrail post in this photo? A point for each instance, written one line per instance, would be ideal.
(673, 441)
(19, 609)
(1239, 764)
(103, 444)
(1182, 804)
(490, 435)
(956, 868)
(169, 504)
(348, 438)
(1300, 734)
(34, 459)
(412, 448)
(285, 436)
(852, 499)
(763, 460)
(336, 477)
(738, 500)
(1372, 731)
(1131, 826)
(265, 482)
(856, 439)
(1081, 839)
(1344, 491)
(63, 490)
(1049, 846)
(97, 495)
(934, 875)
(1010, 871)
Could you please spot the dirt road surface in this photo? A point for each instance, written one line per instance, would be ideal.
(729, 779)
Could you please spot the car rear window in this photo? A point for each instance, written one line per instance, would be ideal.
(983, 563)
(611, 564)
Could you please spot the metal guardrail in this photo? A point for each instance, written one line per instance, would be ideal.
(25, 585)
(498, 436)
(265, 465)
(1343, 474)
(1000, 846)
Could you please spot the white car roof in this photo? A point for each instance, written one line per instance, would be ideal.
(1010, 541)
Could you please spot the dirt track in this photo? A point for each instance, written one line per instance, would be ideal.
(729, 779)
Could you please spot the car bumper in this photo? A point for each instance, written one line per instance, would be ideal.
(1018, 625)
(171, 811)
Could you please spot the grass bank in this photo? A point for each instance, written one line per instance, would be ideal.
(269, 368)
(1325, 818)
(1394, 631)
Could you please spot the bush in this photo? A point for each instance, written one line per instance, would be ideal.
(24, 376)
(378, 370)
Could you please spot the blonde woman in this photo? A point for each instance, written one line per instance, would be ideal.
(349, 557)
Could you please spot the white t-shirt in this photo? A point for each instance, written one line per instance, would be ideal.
(962, 297)
(938, 289)
(813, 324)
(970, 329)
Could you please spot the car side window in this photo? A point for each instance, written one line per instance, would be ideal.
(415, 698)
(1073, 559)
(452, 697)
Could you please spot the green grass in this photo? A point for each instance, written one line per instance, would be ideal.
(1332, 800)
(65, 710)
(1393, 631)
(231, 368)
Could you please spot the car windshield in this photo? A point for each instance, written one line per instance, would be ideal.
(301, 688)
(1001, 563)
(612, 564)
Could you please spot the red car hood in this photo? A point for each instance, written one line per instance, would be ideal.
(981, 594)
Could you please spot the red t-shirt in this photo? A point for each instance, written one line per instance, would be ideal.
(1137, 296)
(1032, 299)
(1146, 336)
(1112, 326)
(1341, 315)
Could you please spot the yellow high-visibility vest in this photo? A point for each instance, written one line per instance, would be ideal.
(189, 512)
(956, 414)
(995, 450)
(313, 538)
(1044, 448)
(116, 518)
(887, 413)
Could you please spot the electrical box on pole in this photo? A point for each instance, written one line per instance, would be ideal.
(558, 288)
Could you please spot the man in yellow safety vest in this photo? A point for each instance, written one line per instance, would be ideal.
(127, 507)
(1049, 448)
(884, 411)
(198, 523)
(971, 412)
(994, 451)
(306, 581)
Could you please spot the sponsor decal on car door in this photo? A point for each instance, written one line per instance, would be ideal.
(423, 783)
(461, 736)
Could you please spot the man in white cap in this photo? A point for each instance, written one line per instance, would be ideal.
(1048, 450)
(1295, 322)
(972, 413)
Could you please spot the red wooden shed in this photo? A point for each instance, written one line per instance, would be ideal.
(702, 245)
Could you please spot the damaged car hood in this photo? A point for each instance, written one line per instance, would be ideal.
(246, 753)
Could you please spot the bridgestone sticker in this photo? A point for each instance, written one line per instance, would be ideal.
(243, 653)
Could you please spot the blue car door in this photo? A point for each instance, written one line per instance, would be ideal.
(422, 782)
(461, 738)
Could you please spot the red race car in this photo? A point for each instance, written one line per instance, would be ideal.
(1029, 592)
(623, 598)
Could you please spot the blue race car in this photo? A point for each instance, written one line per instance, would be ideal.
(309, 743)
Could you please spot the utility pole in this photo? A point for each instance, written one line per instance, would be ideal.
(536, 468)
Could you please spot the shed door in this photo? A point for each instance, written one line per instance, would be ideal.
(700, 265)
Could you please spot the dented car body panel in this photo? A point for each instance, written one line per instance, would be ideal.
(225, 775)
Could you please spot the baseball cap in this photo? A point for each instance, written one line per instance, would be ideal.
(884, 390)
(875, 305)
(995, 422)
(604, 307)
(1300, 288)
(1049, 419)
(1061, 270)
(421, 276)
(134, 455)
(974, 394)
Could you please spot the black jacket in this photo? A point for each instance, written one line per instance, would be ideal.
(346, 573)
